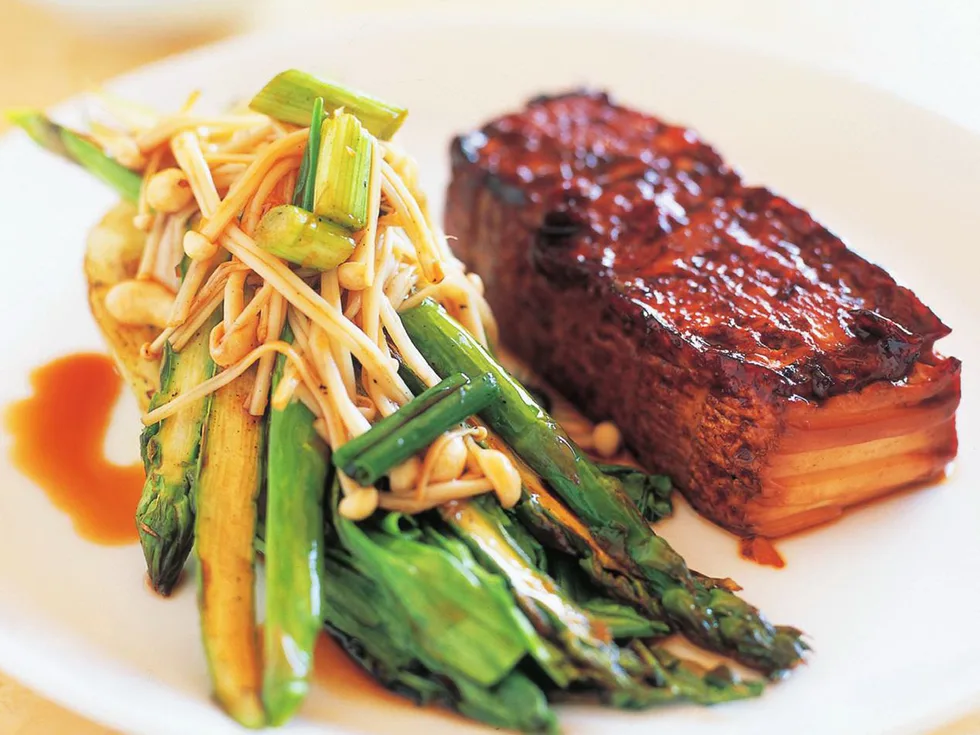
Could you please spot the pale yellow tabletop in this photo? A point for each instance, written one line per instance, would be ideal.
(42, 60)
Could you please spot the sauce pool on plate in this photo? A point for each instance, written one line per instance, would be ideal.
(761, 551)
(59, 432)
(339, 674)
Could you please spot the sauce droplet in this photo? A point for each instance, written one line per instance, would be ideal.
(59, 433)
(761, 551)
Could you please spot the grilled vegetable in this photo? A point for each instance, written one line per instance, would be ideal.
(296, 474)
(303, 238)
(372, 633)
(371, 609)
(621, 619)
(231, 475)
(557, 528)
(343, 173)
(171, 451)
(395, 438)
(462, 619)
(594, 659)
(714, 618)
(289, 97)
(74, 147)
(534, 436)
(649, 493)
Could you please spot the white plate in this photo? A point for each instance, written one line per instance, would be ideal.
(889, 595)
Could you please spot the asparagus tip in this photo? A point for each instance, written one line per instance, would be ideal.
(166, 533)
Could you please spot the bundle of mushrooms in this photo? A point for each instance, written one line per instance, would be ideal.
(207, 184)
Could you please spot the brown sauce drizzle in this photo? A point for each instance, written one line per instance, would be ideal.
(59, 432)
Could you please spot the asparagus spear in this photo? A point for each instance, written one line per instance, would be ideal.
(171, 457)
(171, 452)
(294, 574)
(229, 484)
(595, 658)
(714, 618)
(598, 499)
(76, 148)
(621, 619)
(692, 681)
(584, 575)
(620, 676)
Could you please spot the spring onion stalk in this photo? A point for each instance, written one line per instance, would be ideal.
(289, 97)
(75, 148)
(714, 618)
(424, 400)
(292, 539)
(303, 238)
(372, 455)
(303, 195)
(343, 173)
(294, 572)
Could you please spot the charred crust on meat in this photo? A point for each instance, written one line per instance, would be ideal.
(646, 281)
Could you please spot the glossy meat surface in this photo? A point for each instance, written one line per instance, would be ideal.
(655, 216)
(633, 268)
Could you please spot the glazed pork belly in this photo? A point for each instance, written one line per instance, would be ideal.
(740, 346)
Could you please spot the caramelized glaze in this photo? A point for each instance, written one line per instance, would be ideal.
(741, 348)
(59, 433)
(671, 235)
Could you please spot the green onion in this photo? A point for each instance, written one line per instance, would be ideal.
(301, 237)
(343, 174)
(96, 162)
(43, 131)
(414, 426)
(384, 428)
(306, 181)
(72, 146)
(296, 472)
(289, 97)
